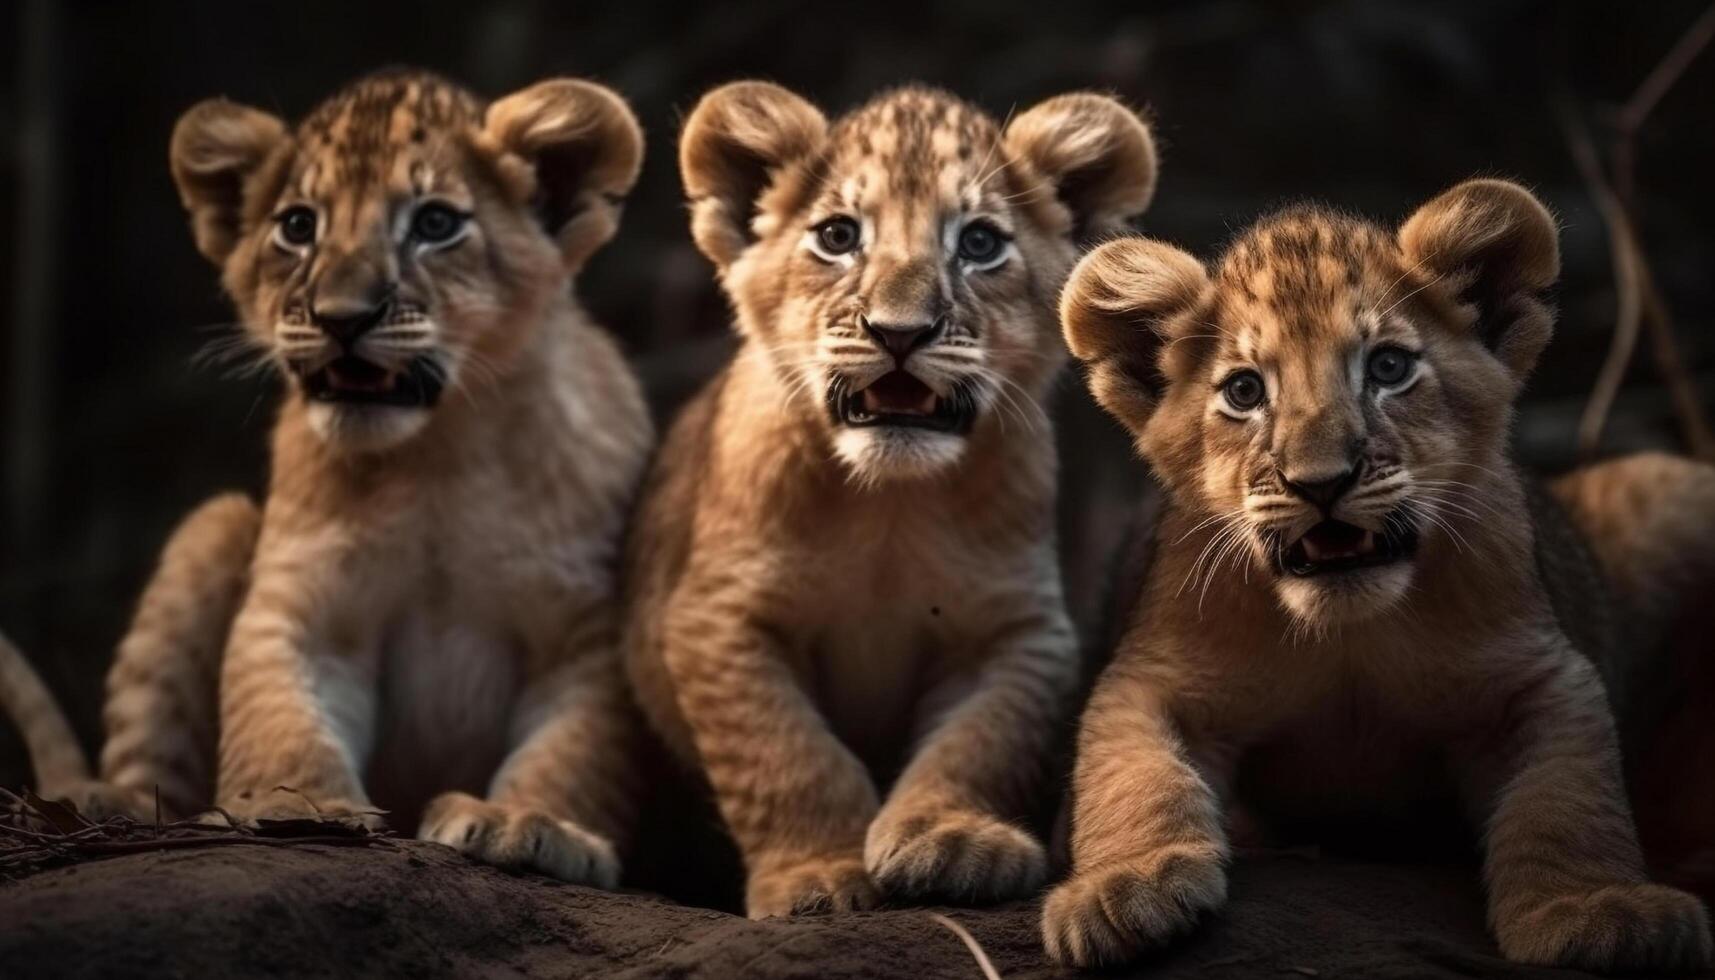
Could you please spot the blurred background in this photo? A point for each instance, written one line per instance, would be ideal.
(111, 429)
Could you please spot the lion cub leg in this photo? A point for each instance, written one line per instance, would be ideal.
(163, 689)
(944, 831)
(564, 798)
(1567, 885)
(795, 799)
(297, 704)
(1148, 849)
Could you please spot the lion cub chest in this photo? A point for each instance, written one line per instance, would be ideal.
(887, 624)
(1364, 752)
(478, 592)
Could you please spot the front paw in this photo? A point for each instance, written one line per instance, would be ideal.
(1619, 928)
(1115, 913)
(809, 885)
(250, 808)
(958, 855)
(100, 801)
(519, 837)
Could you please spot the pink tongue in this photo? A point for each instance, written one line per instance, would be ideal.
(898, 393)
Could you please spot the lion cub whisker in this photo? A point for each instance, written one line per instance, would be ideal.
(847, 615)
(1405, 638)
(427, 606)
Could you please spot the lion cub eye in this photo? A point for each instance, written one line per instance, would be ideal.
(1243, 390)
(980, 244)
(436, 223)
(1390, 366)
(838, 236)
(297, 226)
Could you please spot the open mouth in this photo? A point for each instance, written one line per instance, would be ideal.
(353, 380)
(898, 398)
(1335, 546)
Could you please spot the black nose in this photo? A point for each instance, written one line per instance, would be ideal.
(345, 321)
(900, 339)
(1323, 491)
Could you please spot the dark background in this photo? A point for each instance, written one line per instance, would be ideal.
(110, 430)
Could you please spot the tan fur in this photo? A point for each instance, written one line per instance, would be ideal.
(1334, 695)
(1650, 520)
(161, 712)
(429, 601)
(55, 756)
(858, 637)
(162, 693)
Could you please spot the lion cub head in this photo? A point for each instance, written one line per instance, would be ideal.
(898, 267)
(1326, 393)
(404, 238)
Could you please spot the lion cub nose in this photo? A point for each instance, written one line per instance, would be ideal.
(345, 321)
(1323, 490)
(900, 339)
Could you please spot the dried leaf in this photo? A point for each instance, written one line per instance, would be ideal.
(63, 817)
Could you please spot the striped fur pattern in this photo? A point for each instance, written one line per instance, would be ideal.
(1355, 690)
(163, 691)
(858, 635)
(162, 697)
(429, 606)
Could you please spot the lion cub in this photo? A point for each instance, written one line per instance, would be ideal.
(1350, 602)
(847, 606)
(427, 600)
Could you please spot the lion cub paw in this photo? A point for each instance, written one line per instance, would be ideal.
(1616, 929)
(280, 803)
(810, 885)
(511, 836)
(100, 800)
(958, 855)
(1113, 914)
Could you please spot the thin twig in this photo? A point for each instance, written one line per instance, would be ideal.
(1687, 402)
(54, 838)
(1666, 74)
(1650, 91)
(1639, 295)
(78, 838)
(177, 843)
(1657, 83)
(1625, 254)
(983, 962)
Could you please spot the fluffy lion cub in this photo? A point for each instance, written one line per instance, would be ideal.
(848, 610)
(1354, 598)
(427, 601)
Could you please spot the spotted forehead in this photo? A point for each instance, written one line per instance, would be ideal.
(913, 144)
(1308, 272)
(355, 137)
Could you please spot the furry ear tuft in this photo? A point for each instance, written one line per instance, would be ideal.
(735, 143)
(585, 148)
(1118, 310)
(216, 146)
(1498, 247)
(1098, 155)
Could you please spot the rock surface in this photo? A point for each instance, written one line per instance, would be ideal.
(410, 909)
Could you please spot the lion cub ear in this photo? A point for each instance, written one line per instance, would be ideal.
(1498, 248)
(1098, 155)
(735, 144)
(215, 148)
(1123, 303)
(585, 148)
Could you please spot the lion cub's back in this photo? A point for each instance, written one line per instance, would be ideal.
(1649, 519)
